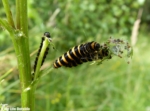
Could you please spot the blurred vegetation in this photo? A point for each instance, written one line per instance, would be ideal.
(112, 86)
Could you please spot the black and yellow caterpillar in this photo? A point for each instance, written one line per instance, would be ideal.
(47, 35)
(89, 51)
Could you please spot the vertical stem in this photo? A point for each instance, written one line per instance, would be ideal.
(23, 16)
(23, 55)
(39, 62)
(17, 14)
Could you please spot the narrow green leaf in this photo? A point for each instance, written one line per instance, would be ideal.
(8, 13)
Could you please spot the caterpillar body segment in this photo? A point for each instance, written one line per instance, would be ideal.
(74, 56)
(97, 55)
(45, 54)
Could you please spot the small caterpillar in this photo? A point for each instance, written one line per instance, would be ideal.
(47, 35)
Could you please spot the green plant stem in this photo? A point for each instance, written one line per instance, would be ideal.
(37, 75)
(24, 72)
(39, 62)
(17, 14)
(19, 42)
(37, 71)
(23, 54)
(23, 16)
(8, 13)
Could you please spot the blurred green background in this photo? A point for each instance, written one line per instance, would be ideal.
(111, 86)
